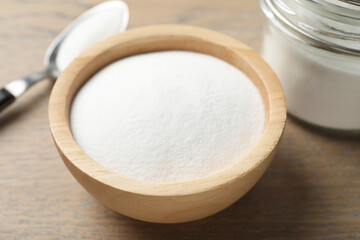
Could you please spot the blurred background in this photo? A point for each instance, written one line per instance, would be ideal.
(311, 190)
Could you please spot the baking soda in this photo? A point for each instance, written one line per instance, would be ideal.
(322, 88)
(104, 22)
(168, 116)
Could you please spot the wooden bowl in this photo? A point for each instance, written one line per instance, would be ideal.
(167, 202)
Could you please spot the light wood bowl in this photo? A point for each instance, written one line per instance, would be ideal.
(167, 202)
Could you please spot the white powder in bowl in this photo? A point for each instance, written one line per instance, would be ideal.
(168, 116)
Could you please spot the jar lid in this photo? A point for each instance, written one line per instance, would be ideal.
(342, 2)
(331, 25)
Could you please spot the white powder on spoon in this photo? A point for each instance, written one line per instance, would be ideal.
(98, 23)
(168, 116)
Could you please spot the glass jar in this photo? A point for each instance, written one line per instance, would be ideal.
(314, 48)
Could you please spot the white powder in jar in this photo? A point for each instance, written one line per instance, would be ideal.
(322, 88)
(168, 116)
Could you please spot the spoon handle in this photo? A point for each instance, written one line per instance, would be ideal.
(16, 88)
(6, 98)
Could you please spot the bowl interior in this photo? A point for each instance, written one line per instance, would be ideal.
(161, 38)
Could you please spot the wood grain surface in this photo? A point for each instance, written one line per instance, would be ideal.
(311, 190)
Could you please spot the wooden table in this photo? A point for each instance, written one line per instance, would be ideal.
(311, 191)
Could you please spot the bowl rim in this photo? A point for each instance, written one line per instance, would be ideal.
(93, 58)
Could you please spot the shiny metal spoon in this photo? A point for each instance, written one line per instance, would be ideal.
(96, 24)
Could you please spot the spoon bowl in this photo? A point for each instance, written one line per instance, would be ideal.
(96, 24)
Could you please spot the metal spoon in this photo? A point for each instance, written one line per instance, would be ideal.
(97, 23)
